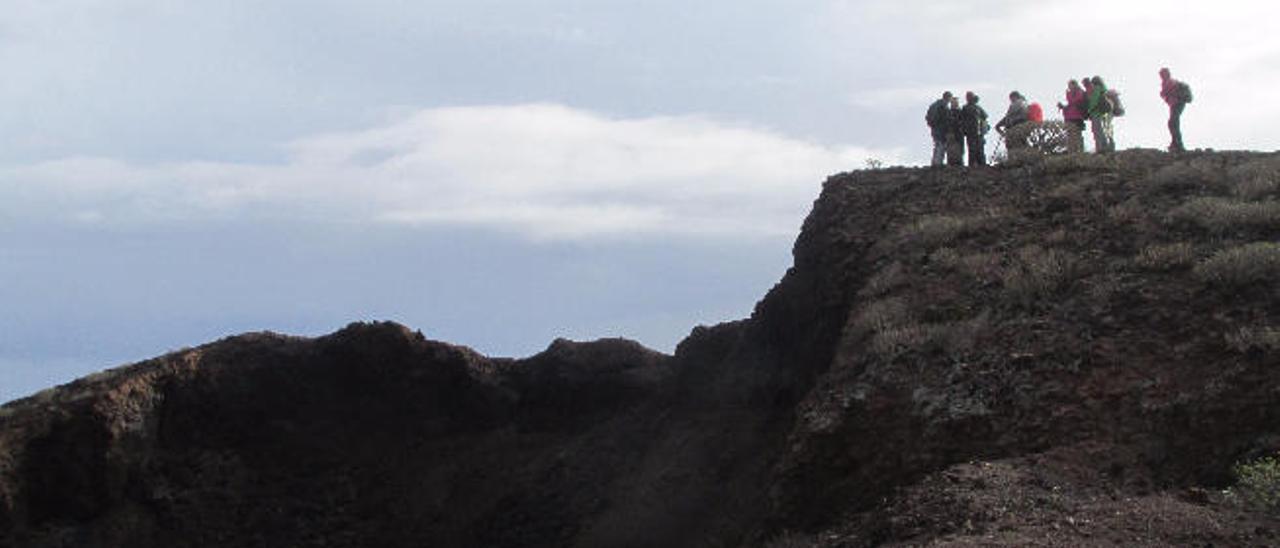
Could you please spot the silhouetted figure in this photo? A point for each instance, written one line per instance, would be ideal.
(1176, 94)
(974, 126)
(936, 117)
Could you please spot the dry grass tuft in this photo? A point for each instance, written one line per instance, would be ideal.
(1242, 265)
(1038, 272)
(938, 230)
(884, 314)
(884, 280)
(1164, 258)
(1127, 212)
(1228, 214)
(1266, 339)
(951, 338)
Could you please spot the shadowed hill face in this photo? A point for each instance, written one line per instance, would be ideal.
(950, 348)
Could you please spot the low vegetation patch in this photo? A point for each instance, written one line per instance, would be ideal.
(1228, 214)
(1163, 258)
(1257, 180)
(951, 338)
(1248, 339)
(1037, 273)
(884, 280)
(937, 230)
(884, 314)
(1187, 176)
(1258, 482)
(1241, 265)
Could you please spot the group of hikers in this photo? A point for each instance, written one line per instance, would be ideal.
(955, 128)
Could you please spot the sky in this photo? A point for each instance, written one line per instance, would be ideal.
(499, 174)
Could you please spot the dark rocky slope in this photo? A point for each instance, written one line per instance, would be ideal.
(1069, 352)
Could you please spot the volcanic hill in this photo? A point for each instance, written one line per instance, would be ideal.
(1074, 351)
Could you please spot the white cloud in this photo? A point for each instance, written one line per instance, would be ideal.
(541, 170)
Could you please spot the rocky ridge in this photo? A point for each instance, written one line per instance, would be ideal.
(1072, 351)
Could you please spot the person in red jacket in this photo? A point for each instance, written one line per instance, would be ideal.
(1175, 94)
(1073, 113)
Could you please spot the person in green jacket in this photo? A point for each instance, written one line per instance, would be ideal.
(1099, 108)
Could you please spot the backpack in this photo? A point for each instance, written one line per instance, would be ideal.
(1184, 92)
(1104, 104)
(1117, 108)
(1035, 113)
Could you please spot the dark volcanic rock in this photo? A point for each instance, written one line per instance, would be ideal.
(1068, 352)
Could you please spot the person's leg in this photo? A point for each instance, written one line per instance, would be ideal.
(1108, 131)
(939, 150)
(1099, 141)
(1175, 127)
(1075, 136)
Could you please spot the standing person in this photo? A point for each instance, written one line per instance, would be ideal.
(1073, 113)
(1176, 94)
(955, 136)
(973, 124)
(1015, 116)
(936, 117)
(1099, 109)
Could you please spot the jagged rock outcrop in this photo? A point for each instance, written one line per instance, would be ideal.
(1069, 352)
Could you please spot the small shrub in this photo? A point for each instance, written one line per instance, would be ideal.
(1257, 188)
(1126, 212)
(1242, 265)
(1227, 214)
(1247, 339)
(1037, 273)
(1163, 258)
(946, 258)
(1258, 482)
(1256, 180)
(883, 315)
(1188, 176)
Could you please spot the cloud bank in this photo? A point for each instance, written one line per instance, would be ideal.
(543, 171)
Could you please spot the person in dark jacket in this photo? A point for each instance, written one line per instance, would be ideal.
(973, 125)
(1015, 116)
(1174, 94)
(936, 117)
(955, 135)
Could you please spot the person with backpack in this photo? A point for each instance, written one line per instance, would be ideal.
(974, 126)
(936, 118)
(1073, 113)
(955, 136)
(1016, 115)
(1176, 94)
(1099, 108)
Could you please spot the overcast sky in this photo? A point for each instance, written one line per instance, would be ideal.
(499, 174)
